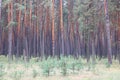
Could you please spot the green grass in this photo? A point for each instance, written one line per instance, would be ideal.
(67, 68)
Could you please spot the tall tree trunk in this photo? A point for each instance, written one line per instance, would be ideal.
(37, 30)
(0, 8)
(10, 20)
(30, 33)
(107, 28)
(0, 28)
(53, 30)
(61, 26)
(18, 30)
(25, 41)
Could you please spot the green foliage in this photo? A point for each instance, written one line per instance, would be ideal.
(68, 64)
(11, 24)
(79, 65)
(17, 75)
(47, 66)
(19, 6)
(91, 66)
(2, 68)
(46, 3)
(3, 58)
(63, 68)
(72, 64)
(35, 73)
(34, 17)
(63, 65)
(34, 60)
(107, 64)
(26, 65)
(5, 3)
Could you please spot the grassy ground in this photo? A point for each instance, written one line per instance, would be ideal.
(53, 69)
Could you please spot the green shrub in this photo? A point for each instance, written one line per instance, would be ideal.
(27, 65)
(72, 64)
(107, 64)
(79, 65)
(2, 70)
(3, 58)
(63, 65)
(47, 66)
(35, 73)
(17, 75)
(34, 60)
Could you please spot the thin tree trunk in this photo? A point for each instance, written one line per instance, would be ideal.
(0, 28)
(93, 50)
(25, 41)
(0, 8)
(18, 30)
(10, 19)
(61, 26)
(53, 30)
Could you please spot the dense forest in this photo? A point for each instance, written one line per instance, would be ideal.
(43, 28)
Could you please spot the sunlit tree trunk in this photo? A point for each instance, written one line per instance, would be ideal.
(18, 29)
(107, 28)
(53, 30)
(61, 26)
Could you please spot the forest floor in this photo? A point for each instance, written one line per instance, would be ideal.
(20, 70)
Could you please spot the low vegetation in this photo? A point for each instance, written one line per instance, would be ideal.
(65, 68)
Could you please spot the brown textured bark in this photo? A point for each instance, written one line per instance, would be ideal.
(53, 30)
(61, 26)
(107, 28)
(18, 29)
(25, 42)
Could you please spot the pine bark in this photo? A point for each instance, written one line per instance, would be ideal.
(61, 26)
(0, 28)
(53, 29)
(10, 20)
(0, 8)
(107, 28)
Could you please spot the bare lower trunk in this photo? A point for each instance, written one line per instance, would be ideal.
(93, 51)
(0, 8)
(107, 28)
(25, 51)
(10, 19)
(61, 26)
(53, 31)
(0, 28)
(10, 43)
